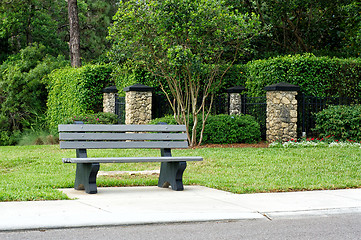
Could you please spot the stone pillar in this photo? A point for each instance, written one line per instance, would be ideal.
(281, 120)
(235, 99)
(109, 95)
(138, 104)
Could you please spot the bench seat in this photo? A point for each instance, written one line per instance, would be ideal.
(130, 159)
(81, 137)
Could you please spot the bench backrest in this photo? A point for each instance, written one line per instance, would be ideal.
(99, 136)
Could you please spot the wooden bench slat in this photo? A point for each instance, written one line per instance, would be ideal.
(130, 159)
(119, 128)
(122, 136)
(122, 145)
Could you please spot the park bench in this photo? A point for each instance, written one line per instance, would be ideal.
(100, 136)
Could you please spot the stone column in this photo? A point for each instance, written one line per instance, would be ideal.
(138, 104)
(109, 95)
(235, 99)
(281, 120)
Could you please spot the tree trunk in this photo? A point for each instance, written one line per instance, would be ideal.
(74, 41)
(28, 30)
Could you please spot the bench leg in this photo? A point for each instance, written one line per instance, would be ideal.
(86, 176)
(171, 173)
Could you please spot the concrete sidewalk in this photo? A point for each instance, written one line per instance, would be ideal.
(144, 205)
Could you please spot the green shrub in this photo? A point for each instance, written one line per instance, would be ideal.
(76, 91)
(231, 129)
(341, 122)
(96, 118)
(223, 129)
(316, 76)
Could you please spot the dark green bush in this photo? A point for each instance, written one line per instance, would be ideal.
(342, 122)
(94, 118)
(76, 91)
(316, 76)
(231, 129)
(223, 129)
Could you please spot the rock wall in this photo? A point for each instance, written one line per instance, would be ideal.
(235, 104)
(138, 107)
(109, 102)
(281, 120)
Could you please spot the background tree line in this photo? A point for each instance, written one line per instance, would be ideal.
(24, 22)
(322, 27)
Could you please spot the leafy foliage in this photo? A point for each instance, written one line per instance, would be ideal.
(23, 91)
(95, 17)
(129, 73)
(235, 76)
(186, 42)
(231, 129)
(223, 129)
(76, 91)
(23, 23)
(352, 39)
(297, 26)
(316, 76)
(341, 122)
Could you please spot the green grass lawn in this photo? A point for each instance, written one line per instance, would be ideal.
(35, 172)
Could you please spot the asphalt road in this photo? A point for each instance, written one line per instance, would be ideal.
(335, 226)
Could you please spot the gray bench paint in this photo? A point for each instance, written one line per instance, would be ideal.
(98, 136)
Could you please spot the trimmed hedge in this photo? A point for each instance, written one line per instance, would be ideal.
(316, 76)
(76, 91)
(224, 129)
(341, 122)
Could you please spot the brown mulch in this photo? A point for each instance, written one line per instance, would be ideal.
(262, 144)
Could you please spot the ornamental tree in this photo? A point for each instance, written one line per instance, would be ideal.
(189, 43)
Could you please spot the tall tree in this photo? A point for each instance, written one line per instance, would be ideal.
(74, 32)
